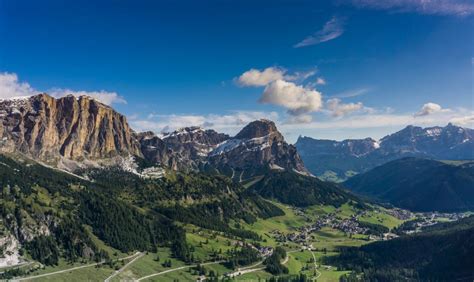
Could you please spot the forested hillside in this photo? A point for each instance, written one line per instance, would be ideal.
(300, 190)
(419, 185)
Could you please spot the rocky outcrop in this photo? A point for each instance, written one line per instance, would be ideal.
(75, 128)
(191, 145)
(257, 146)
(155, 150)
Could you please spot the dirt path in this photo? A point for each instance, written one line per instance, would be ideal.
(315, 265)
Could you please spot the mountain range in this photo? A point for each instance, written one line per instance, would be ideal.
(342, 159)
(73, 132)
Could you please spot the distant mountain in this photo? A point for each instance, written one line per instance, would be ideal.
(419, 185)
(450, 142)
(342, 159)
(326, 157)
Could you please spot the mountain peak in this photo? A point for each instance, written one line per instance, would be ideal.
(258, 128)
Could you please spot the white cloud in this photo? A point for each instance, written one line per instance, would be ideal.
(429, 7)
(382, 120)
(320, 81)
(105, 97)
(300, 75)
(297, 99)
(352, 93)
(299, 119)
(331, 30)
(11, 87)
(256, 77)
(339, 109)
(463, 121)
(428, 109)
(227, 123)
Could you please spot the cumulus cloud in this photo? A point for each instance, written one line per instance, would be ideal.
(428, 109)
(428, 7)
(331, 30)
(297, 99)
(254, 77)
(11, 87)
(339, 109)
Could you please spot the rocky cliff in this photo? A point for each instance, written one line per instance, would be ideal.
(75, 128)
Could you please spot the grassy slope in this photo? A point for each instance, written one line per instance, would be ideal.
(147, 265)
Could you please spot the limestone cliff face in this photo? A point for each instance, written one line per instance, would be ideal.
(74, 128)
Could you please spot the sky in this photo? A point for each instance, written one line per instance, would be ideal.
(326, 69)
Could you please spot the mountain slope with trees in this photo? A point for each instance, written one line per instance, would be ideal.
(445, 252)
(419, 185)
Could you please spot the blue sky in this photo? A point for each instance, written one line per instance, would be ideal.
(334, 69)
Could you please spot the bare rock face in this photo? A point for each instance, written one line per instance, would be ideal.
(155, 150)
(258, 146)
(192, 145)
(80, 128)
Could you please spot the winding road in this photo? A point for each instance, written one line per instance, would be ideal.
(71, 269)
(123, 267)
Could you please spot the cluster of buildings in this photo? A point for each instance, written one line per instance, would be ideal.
(350, 225)
(400, 214)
